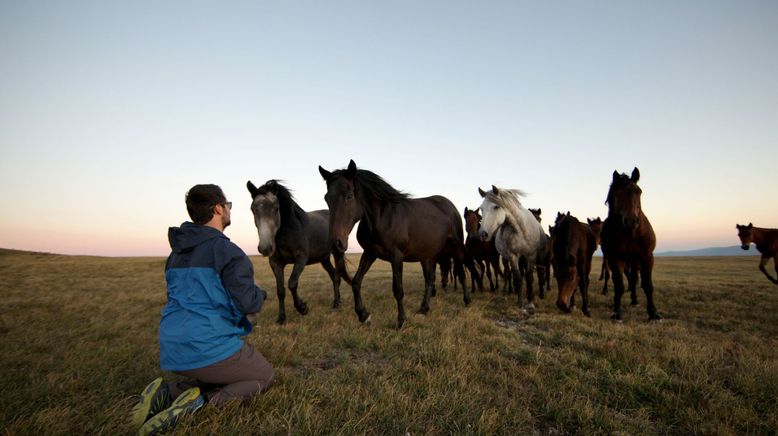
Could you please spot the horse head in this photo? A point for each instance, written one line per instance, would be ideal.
(345, 208)
(745, 234)
(596, 226)
(494, 213)
(624, 199)
(472, 222)
(267, 215)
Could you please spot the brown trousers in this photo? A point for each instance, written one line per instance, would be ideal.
(238, 377)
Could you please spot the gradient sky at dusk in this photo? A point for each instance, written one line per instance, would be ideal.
(110, 111)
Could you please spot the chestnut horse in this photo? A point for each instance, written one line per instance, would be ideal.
(630, 270)
(288, 234)
(766, 241)
(628, 239)
(395, 228)
(574, 245)
(484, 253)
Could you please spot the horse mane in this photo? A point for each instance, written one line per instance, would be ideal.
(621, 181)
(286, 202)
(509, 199)
(370, 185)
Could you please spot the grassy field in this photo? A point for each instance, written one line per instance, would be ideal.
(78, 340)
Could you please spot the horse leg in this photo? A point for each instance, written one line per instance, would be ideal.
(616, 268)
(278, 272)
(397, 290)
(605, 272)
(516, 278)
(646, 266)
(294, 278)
(428, 268)
(762, 268)
(507, 275)
(365, 262)
(583, 285)
(460, 260)
(529, 279)
(775, 263)
(632, 280)
(335, 277)
(489, 275)
(541, 270)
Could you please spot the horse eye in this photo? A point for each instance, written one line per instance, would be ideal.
(496, 207)
(349, 196)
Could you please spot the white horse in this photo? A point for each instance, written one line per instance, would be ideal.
(516, 233)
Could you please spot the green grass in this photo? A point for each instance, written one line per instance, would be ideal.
(78, 337)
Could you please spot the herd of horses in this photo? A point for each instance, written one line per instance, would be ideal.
(397, 228)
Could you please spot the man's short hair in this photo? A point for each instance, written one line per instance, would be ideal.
(200, 201)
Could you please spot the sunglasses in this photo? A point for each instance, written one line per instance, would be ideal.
(228, 204)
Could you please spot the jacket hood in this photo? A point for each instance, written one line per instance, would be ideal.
(189, 236)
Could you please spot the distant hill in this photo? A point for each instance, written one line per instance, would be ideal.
(734, 250)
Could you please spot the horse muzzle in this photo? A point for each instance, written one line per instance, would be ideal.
(266, 249)
(745, 247)
(339, 247)
(483, 235)
(631, 223)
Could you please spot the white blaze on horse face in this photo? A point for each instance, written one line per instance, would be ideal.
(491, 219)
(267, 218)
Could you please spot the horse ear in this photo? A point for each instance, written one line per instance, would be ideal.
(252, 189)
(495, 190)
(466, 210)
(476, 211)
(615, 175)
(750, 225)
(324, 173)
(482, 192)
(588, 221)
(540, 211)
(635, 175)
(351, 171)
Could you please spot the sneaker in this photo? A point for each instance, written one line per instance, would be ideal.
(154, 399)
(186, 404)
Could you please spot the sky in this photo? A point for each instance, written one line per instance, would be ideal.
(110, 111)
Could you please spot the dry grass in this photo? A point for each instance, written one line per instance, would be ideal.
(78, 336)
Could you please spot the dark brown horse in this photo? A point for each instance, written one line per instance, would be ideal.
(574, 245)
(395, 228)
(628, 239)
(484, 253)
(290, 235)
(766, 241)
(545, 256)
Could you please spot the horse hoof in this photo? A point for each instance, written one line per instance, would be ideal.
(336, 304)
(587, 313)
(467, 302)
(530, 308)
(302, 309)
(281, 320)
(655, 317)
(364, 317)
(616, 318)
(400, 324)
(634, 303)
(423, 310)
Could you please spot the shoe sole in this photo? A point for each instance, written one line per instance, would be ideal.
(169, 417)
(140, 412)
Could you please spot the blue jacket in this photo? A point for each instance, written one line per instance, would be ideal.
(210, 289)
